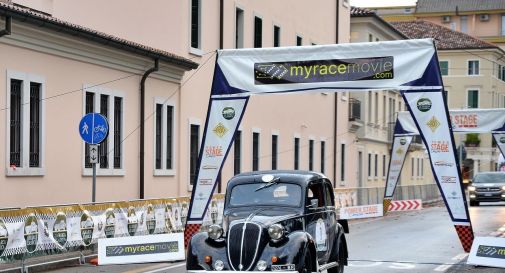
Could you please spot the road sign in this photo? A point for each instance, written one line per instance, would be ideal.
(93, 153)
(93, 128)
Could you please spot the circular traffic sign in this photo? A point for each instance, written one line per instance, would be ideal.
(94, 128)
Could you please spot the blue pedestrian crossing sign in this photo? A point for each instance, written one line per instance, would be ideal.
(93, 128)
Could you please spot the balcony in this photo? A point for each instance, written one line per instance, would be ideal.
(355, 121)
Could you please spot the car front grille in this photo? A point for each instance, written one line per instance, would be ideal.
(489, 189)
(243, 244)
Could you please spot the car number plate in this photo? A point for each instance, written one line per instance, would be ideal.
(290, 267)
(488, 194)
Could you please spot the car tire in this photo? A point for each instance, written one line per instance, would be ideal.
(307, 263)
(340, 261)
(474, 203)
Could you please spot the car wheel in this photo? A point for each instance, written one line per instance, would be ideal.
(307, 263)
(473, 203)
(340, 260)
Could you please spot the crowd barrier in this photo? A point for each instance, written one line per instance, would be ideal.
(37, 231)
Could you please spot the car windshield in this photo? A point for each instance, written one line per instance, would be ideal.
(278, 194)
(497, 177)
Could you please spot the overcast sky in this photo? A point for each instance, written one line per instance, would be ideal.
(381, 3)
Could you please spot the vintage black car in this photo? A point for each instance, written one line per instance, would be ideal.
(487, 187)
(281, 221)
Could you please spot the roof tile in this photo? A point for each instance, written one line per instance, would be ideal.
(445, 38)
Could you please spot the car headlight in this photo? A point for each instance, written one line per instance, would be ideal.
(215, 232)
(471, 188)
(218, 265)
(503, 188)
(261, 265)
(276, 231)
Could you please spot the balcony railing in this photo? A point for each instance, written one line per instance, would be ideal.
(354, 109)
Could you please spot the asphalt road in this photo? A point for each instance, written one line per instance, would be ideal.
(406, 242)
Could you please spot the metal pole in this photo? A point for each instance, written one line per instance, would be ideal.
(93, 196)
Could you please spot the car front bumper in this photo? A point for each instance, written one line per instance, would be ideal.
(487, 197)
(230, 271)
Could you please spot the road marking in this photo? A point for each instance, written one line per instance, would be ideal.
(154, 268)
(353, 264)
(443, 268)
(165, 268)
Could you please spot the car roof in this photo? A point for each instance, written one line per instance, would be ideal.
(303, 178)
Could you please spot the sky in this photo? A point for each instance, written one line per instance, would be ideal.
(382, 3)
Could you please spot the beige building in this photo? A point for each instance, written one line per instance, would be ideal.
(483, 19)
(82, 73)
(473, 72)
(375, 114)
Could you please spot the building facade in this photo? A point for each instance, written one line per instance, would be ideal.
(375, 119)
(482, 19)
(473, 72)
(175, 113)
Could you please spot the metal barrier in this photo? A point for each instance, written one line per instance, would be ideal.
(348, 197)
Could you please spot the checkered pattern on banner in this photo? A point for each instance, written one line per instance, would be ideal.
(465, 234)
(386, 203)
(189, 231)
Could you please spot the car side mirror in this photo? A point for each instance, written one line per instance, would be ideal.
(313, 203)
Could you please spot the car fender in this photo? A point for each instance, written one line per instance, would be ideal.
(291, 250)
(200, 246)
(339, 239)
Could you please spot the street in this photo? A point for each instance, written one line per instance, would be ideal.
(417, 241)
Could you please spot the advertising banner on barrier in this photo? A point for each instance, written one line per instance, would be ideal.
(500, 141)
(141, 249)
(37, 231)
(464, 121)
(361, 212)
(488, 251)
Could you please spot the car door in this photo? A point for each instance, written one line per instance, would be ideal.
(331, 219)
(316, 218)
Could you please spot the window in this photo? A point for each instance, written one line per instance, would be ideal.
(342, 162)
(239, 28)
(473, 99)
(473, 67)
(383, 165)
(258, 32)
(25, 130)
(194, 145)
(195, 23)
(412, 167)
(256, 151)
(299, 40)
(323, 153)
(418, 166)
(370, 106)
(444, 68)
(446, 96)
(277, 36)
(237, 153)
(103, 148)
(369, 165)
(384, 120)
(464, 23)
(274, 151)
(422, 167)
(311, 154)
(503, 25)
(164, 137)
(110, 104)
(376, 110)
(376, 173)
(297, 153)
(370, 37)
(118, 132)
